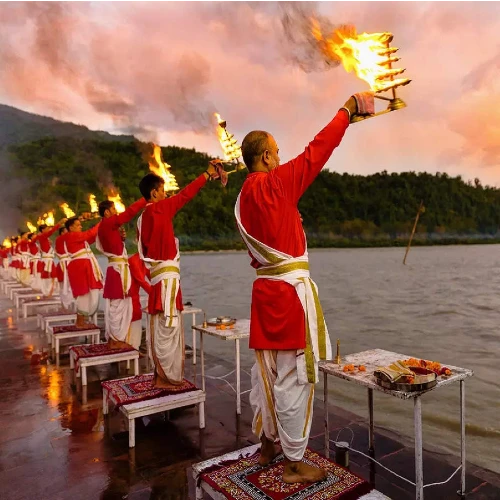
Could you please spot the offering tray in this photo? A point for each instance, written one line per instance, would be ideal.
(221, 320)
(424, 379)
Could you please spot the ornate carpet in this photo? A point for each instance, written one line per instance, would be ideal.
(140, 388)
(94, 350)
(245, 479)
(74, 328)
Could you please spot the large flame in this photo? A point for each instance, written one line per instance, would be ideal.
(93, 204)
(67, 211)
(116, 199)
(31, 227)
(229, 144)
(47, 219)
(7, 243)
(159, 167)
(368, 55)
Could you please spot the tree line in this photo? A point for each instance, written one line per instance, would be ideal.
(338, 209)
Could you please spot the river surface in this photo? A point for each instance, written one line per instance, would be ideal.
(444, 305)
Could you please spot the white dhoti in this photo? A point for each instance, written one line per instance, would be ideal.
(135, 335)
(87, 304)
(36, 277)
(167, 349)
(25, 277)
(282, 406)
(48, 286)
(118, 317)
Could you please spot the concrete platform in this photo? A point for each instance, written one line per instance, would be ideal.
(55, 447)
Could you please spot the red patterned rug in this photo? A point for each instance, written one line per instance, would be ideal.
(93, 350)
(245, 479)
(54, 313)
(74, 328)
(140, 388)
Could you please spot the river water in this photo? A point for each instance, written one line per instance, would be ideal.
(443, 306)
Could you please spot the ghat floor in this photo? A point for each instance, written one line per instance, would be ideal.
(54, 446)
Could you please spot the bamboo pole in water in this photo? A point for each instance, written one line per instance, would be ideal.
(420, 210)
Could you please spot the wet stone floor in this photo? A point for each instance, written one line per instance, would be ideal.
(56, 444)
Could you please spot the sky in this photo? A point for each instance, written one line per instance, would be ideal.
(161, 69)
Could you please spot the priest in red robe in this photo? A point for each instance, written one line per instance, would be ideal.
(287, 328)
(159, 248)
(119, 308)
(67, 299)
(23, 253)
(46, 267)
(84, 273)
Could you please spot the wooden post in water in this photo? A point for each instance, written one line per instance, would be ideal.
(420, 210)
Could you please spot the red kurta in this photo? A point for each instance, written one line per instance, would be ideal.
(34, 250)
(23, 247)
(268, 209)
(139, 272)
(13, 253)
(80, 274)
(157, 235)
(45, 246)
(111, 241)
(59, 248)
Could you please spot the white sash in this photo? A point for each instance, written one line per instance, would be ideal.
(168, 273)
(120, 264)
(48, 260)
(87, 254)
(295, 271)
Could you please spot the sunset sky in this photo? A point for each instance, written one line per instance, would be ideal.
(160, 70)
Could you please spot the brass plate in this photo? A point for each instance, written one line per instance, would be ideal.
(424, 380)
(221, 320)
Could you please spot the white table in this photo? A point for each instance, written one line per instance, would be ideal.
(4, 283)
(93, 333)
(193, 311)
(105, 359)
(20, 298)
(39, 303)
(44, 320)
(372, 359)
(14, 292)
(240, 331)
(165, 403)
(9, 286)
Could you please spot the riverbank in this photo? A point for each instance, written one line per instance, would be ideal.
(68, 450)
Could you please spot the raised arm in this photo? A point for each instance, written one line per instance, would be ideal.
(185, 195)
(129, 213)
(89, 236)
(298, 174)
(49, 233)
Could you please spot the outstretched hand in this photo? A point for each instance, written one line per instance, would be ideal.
(365, 103)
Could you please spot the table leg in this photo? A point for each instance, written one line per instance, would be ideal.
(71, 360)
(136, 366)
(201, 409)
(194, 338)
(327, 425)
(131, 433)
(97, 338)
(202, 360)
(25, 311)
(371, 446)
(105, 402)
(238, 378)
(57, 346)
(462, 436)
(419, 472)
(128, 365)
(84, 375)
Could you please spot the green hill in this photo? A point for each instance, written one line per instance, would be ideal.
(338, 210)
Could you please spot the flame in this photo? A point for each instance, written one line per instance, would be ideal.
(47, 218)
(93, 204)
(159, 167)
(7, 243)
(367, 54)
(116, 199)
(229, 144)
(31, 227)
(67, 211)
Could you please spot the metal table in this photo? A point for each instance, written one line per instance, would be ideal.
(374, 358)
(240, 331)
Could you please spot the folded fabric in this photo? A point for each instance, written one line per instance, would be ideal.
(365, 102)
(394, 371)
(221, 173)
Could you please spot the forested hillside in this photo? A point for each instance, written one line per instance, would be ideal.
(338, 210)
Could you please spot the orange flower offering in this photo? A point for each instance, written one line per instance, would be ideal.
(430, 365)
(348, 368)
(362, 368)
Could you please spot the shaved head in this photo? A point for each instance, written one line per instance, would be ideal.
(253, 146)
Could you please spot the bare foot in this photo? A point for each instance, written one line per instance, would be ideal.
(117, 344)
(300, 472)
(268, 451)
